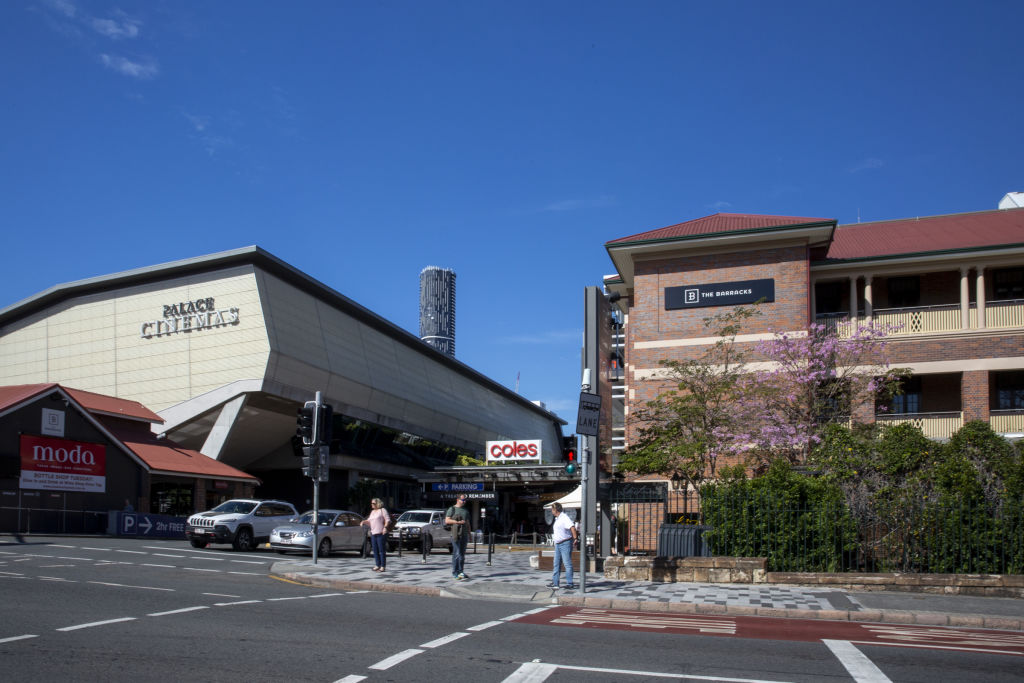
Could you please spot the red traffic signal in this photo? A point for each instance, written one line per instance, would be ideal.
(569, 454)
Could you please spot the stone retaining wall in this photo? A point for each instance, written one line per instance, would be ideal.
(753, 570)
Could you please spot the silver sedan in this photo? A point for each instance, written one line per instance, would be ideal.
(336, 530)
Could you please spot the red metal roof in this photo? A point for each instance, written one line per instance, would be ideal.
(97, 404)
(1000, 227)
(718, 223)
(167, 456)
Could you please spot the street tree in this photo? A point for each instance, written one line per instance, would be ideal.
(687, 429)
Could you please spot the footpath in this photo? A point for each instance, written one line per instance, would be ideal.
(509, 577)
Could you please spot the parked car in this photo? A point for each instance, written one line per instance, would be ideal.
(415, 528)
(241, 522)
(336, 530)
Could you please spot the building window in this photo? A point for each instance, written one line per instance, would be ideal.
(904, 291)
(909, 401)
(1008, 283)
(1010, 391)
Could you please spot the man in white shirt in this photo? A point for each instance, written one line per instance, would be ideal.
(565, 535)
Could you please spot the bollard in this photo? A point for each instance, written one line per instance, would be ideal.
(490, 549)
(401, 540)
(423, 546)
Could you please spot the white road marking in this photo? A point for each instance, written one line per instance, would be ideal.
(444, 640)
(177, 611)
(395, 659)
(245, 573)
(162, 566)
(332, 595)
(513, 616)
(294, 597)
(124, 585)
(55, 578)
(12, 573)
(251, 561)
(538, 610)
(481, 627)
(198, 569)
(531, 672)
(14, 638)
(133, 552)
(237, 602)
(653, 621)
(862, 669)
(106, 550)
(222, 595)
(96, 623)
(351, 679)
(536, 672)
(167, 555)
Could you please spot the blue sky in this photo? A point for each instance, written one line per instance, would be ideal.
(363, 141)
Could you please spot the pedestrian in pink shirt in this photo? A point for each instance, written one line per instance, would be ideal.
(378, 520)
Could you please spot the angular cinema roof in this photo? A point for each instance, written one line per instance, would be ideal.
(1000, 228)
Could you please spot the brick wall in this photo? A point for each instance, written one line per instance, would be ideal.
(974, 389)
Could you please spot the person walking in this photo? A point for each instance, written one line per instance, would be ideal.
(378, 522)
(565, 535)
(458, 517)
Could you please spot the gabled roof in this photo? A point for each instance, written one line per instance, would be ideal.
(721, 223)
(717, 231)
(929, 234)
(130, 430)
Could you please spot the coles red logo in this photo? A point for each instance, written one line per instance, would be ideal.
(513, 450)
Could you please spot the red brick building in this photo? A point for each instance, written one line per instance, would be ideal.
(955, 283)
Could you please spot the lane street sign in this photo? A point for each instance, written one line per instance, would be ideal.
(589, 414)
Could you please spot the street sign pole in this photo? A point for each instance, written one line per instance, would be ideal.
(587, 420)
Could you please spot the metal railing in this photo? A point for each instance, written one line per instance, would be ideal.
(932, 425)
(29, 520)
(930, 319)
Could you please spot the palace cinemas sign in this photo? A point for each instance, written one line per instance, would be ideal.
(723, 294)
(188, 316)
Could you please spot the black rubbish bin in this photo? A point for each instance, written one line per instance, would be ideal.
(682, 540)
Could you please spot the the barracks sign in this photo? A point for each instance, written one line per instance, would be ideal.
(189, 316)
(721, 294)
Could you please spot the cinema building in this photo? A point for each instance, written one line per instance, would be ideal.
(953, 283)
(224, 348)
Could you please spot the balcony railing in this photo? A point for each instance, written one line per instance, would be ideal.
(932, 319)
(1007, 421)
(932, 425)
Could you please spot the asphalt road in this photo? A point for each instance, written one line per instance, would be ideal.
(126, 610)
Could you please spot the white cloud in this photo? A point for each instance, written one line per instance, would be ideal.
(576, 204)
(64, 7)
(719, 205)
(123, 27)
(550, 337)
(867, 164)
(210, 141)
(126, 67)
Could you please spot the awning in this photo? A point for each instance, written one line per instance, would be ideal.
(573, 499)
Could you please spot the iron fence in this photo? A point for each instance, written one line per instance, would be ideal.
(928, 538)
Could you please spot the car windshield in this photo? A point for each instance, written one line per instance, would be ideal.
(323, 519)
(418, 517)
(236, 506)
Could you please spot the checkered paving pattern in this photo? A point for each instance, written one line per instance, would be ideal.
(514, 568)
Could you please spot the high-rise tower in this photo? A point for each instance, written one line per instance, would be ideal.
(437, 308)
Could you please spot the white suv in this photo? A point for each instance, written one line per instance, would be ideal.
(242, 523)
(419, 528)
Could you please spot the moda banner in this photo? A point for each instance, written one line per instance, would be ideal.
(62, 465)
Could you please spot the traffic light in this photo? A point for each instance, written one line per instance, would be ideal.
(569, 454)
(310, 461)
(324, 424)
(307, 422)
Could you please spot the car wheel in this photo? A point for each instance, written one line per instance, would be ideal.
(282, 552)
(324, 550)
(243, 540)
(196, 543)
(428, 544)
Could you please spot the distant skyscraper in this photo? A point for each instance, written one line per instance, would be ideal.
(437, 308)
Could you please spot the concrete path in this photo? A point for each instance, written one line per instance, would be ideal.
(509, 577)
